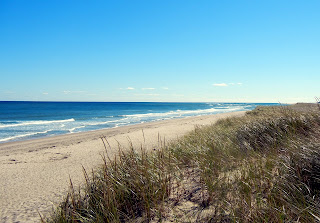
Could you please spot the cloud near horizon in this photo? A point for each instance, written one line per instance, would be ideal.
(220, 85)
(74, 92)
(130, 88)
(148, 88)
(225, 85)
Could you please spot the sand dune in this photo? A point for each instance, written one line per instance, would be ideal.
(34, 174)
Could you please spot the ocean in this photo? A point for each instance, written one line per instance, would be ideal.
(30, 120)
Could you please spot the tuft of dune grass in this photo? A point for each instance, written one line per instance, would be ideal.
(263, 167)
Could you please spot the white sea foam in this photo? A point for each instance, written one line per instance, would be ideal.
(79, 127)
(22, 136)
(178, 113)
(35, 123)
(106, 122)
(96, 123)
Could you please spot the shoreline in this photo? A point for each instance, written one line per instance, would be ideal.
(78, 137)
(35, 173)
(37, 120)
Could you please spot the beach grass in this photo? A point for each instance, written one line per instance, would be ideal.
(263, 167)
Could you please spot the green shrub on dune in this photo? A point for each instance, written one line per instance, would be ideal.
(263, 167)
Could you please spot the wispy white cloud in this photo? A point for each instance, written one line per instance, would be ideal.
(148, 88)
(130, 88)
(220, 85)
(45, 93)
(165, 88)
(147, 94)
(234, 83)
(73, 92)
(8, 92)
(225, 85)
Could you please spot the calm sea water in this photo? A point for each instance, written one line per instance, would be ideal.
(28, 120)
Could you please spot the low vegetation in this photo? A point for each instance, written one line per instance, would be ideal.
(263, 167)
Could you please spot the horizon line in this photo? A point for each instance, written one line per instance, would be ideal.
(151, 102)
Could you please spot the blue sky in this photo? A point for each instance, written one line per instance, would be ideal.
(160, 50)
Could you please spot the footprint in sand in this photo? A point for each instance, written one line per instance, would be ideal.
(59, 156)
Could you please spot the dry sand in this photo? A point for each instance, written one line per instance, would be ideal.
(34, 174)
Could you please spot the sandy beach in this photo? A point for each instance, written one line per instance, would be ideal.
(35, 174)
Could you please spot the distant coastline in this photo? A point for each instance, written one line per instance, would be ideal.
(29, 120)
